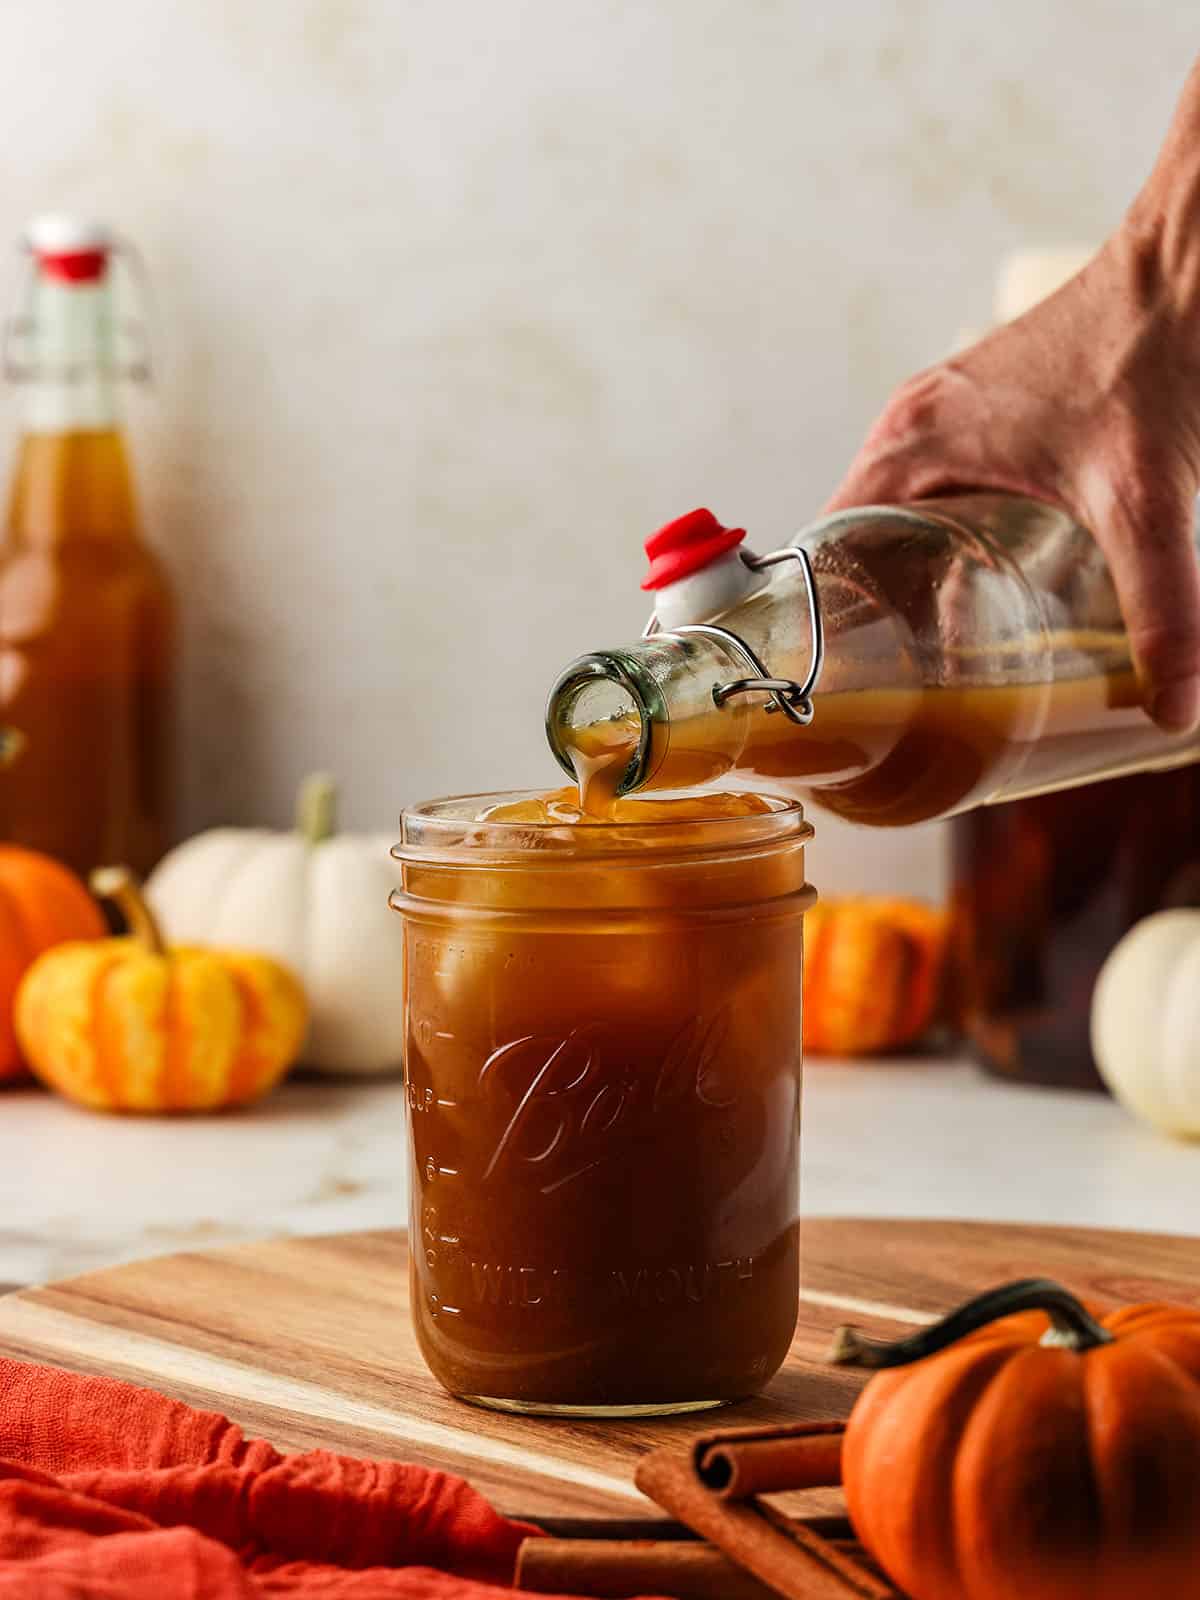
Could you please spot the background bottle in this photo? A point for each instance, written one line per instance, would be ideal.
(85, 610)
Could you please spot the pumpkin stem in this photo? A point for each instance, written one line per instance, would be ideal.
(12, 742)
(120, 885)
(1072, 1326)
(316, 808)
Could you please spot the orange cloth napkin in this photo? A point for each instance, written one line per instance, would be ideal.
(109, 1492)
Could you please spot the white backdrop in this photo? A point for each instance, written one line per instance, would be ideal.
(460, 298)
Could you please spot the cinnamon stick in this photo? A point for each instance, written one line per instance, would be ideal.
(619, 1528)
(741, 1462)
(789, 1557)
(686, 1570)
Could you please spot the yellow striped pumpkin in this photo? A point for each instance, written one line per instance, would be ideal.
(128, 1025)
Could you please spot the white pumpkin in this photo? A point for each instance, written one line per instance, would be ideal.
(314, 899)
(1146, 1022)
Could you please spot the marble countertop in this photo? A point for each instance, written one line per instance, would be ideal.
(912, 1138)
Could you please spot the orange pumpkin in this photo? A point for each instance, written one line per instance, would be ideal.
(1044, 1455)
(42, 904)
(872, 974)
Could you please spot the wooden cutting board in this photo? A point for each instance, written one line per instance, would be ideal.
(308, 1342)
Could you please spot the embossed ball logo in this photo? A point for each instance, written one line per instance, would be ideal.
(571, 1096)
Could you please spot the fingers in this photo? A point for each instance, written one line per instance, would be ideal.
(1128, 477)
(1147, 536)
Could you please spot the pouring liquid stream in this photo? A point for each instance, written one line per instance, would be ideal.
(601, 758)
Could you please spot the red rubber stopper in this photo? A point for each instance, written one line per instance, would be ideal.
(685, 546)
(73, 266)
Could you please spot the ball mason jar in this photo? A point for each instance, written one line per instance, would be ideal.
(603, 1049)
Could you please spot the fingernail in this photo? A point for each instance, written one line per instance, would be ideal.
(1176, 706)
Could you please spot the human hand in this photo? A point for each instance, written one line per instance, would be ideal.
(1077, 403)
(1091, 401)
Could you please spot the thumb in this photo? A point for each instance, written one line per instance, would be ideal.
(1148, 538)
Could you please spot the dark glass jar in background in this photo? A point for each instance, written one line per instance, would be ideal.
(1043, 888)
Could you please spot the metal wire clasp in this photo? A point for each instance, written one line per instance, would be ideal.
(20, 328)
(793, 699)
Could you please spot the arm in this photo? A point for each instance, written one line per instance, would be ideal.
(1091, 401)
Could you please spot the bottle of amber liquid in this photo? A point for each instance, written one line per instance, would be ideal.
(894, 664)
(897, 664)
(1044, 887)
(85, 610)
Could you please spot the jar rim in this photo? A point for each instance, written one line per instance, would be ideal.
(447, 828)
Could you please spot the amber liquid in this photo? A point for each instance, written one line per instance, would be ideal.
(890, 757)
(85, 658)
(604, 1091)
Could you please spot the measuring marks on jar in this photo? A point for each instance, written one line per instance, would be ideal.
(424, 1102)
(441, 1250)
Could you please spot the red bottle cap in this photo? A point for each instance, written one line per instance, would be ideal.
(77, 266)
(685, 545)
(68, 249)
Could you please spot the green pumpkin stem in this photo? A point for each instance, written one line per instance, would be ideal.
(1072, 1326)
(316, 808)
(120, 885)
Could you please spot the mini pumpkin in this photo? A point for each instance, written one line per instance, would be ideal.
(1023, 1448)
(128, 1025)
(315, 899)
(1146, 1021)
(42, 903)
(872, 974)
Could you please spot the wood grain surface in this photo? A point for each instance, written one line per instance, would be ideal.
(307, 1341)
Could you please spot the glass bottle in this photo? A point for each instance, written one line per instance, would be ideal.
(85, 610)
(895, 664)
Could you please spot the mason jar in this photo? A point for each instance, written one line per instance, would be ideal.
(603, 1080)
